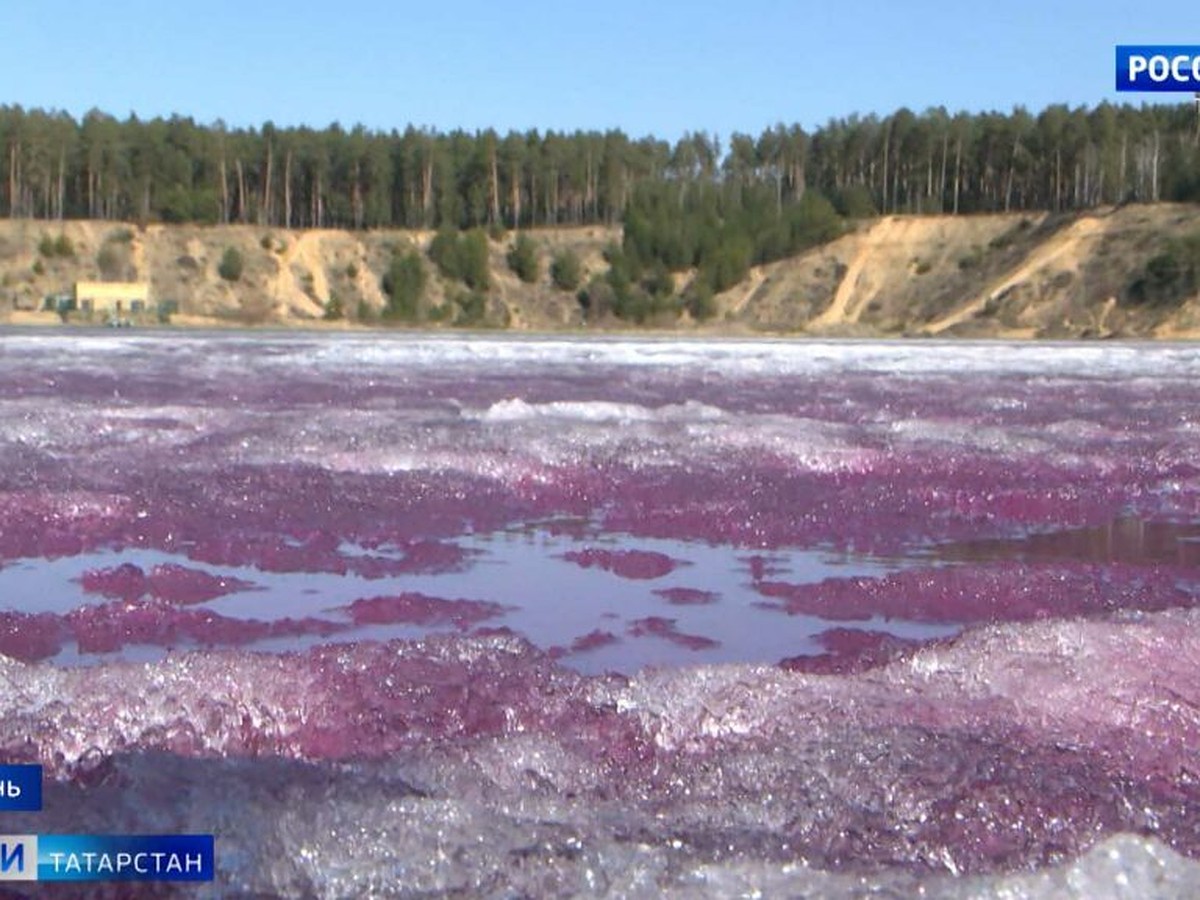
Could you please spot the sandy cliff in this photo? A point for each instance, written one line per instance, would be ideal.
(1017, 275)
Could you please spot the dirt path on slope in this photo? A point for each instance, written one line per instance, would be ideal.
(303, 251)
(1061, 247)
(838, 312)
(740, 295)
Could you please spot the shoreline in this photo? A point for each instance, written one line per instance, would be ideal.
(1095, 275)
(50, 323)
(610, 336)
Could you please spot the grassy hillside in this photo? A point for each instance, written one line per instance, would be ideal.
(1130, 271)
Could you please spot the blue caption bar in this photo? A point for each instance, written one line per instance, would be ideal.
(1158, 68)
(20, 788)
(103, 857)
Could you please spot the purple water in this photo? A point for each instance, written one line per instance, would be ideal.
(556, 617)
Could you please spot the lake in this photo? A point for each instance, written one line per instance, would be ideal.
(567, 615)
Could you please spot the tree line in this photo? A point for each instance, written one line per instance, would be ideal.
(176, 170)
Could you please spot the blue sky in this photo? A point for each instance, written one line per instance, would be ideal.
(648, 67)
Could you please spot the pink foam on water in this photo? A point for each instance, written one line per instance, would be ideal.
(170, 582)
(337, 702)
(320, 552)
(180, 584)
(111, 626)
(851, 650)
(58, 523)
(30, 637)
(633, 564)
(126, 581)
(419, 609)
(1010, 746)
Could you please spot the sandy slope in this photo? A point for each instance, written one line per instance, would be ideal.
(1018, 275)
(1064, 251)
(857, 286)
(1011, 276)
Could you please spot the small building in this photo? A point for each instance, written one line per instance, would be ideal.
(113, 297)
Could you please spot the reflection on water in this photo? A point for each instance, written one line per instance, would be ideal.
(605, 601)
(1125, 540)
(699, 606)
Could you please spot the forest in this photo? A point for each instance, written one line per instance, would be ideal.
(716, 205)
(175, 170)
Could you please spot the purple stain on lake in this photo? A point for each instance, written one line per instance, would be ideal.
(637, 565)
(652, 617)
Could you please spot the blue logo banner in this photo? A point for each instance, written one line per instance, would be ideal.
(20, 788)
(1158, 67)
(96, 857)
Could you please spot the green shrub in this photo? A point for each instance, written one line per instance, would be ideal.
(523, 259)
(812, 221)
(231, 266)
(462, 257)
(635, 305)
(1170, 276)
(700, 302)
(855, 202)
(60, 246)
(721, 236)
(630, 300)
(566, 271)
(404, 285)
(111, 262)
(333, 309)
(728, 264)
(971, 260)
(473, 260)
(472, 309)
(596, 298)
(659, 283)
(443, 250)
